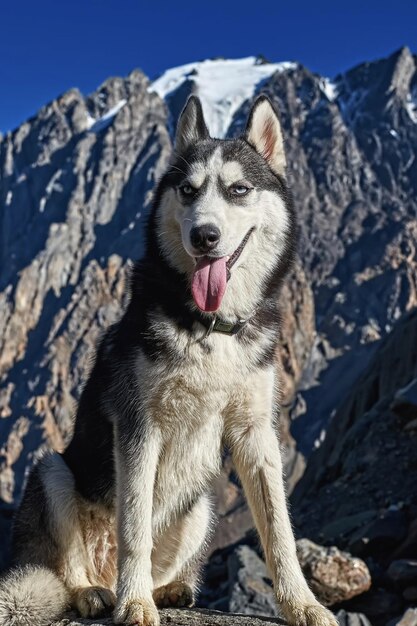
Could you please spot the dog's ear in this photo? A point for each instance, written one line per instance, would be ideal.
(263, 132)
(191, 125)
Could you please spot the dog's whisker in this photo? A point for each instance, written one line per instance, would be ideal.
(176, 168)
(183, 158)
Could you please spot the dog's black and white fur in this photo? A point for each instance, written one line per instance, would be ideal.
(121, 518)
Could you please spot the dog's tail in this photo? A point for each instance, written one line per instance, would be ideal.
(31, 595)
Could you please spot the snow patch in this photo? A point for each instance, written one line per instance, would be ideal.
(350, 105)
(95, 126)
(222, 85)
(329, 88)
(411, 107)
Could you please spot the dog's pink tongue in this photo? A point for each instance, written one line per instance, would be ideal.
(209, 283)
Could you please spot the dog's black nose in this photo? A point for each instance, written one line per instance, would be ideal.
(205, 238)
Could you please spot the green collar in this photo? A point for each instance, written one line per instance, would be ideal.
(216, 325)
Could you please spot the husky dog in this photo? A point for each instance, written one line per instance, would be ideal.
(120, 520)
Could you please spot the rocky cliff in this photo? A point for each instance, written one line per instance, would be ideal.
(359, 488)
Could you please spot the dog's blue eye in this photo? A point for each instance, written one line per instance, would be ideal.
(239, 190)
(187, 190)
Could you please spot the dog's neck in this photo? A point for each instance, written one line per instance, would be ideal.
(215, 324)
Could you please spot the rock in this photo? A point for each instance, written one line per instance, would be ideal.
(334, 576)
(215, 591)
(409, 547)
(250, 588)
(410, 595)
(352, 619)
(408, 619)
(411, 426)
(380, 536)
(403, 572)
(5, 534)
(235, 518)
(345, 526)
(298, 330)
(405, 401)
(377, 603)
(182, 617)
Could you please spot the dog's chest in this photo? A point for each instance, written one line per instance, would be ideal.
(189, 401)
(190, 389)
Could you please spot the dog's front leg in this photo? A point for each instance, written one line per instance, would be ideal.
(253, 441)
(136, 463)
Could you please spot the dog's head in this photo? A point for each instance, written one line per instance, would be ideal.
(222, 216)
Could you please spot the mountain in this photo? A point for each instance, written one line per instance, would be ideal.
(76, 183)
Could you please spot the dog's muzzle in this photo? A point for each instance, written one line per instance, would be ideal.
(210, 276)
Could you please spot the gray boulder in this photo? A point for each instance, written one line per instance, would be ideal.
(250, 588)
(352, 619)
(408, 619)
(403, 572)
(405, 401)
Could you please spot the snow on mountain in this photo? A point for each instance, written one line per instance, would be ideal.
(329, 88)
(102, 122)
(222, 85)
(411, 106)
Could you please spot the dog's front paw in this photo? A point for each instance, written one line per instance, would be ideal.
(175, 594)
(92, 601)
(136, 612)
(311, 615)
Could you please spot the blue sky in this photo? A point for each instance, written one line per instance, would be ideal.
(48, 46)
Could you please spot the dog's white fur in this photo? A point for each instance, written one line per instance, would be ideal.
(191, 410)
